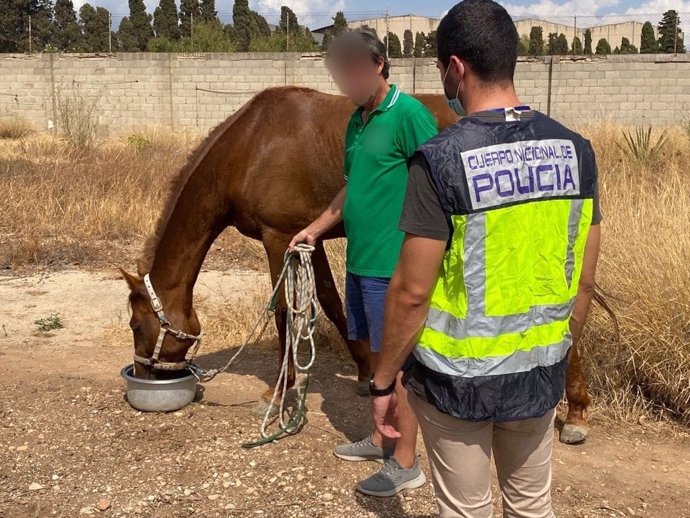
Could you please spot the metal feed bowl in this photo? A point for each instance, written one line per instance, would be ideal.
(159, 395)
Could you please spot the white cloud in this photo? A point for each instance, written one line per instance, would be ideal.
(550, 9)
(661, 6)
(314, 13)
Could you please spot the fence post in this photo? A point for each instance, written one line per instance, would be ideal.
(675, 35)
(110, 33)
(29, 34)
(574, 33)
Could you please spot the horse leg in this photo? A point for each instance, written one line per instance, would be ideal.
(275, 246)
(575, 429)
(333, 309)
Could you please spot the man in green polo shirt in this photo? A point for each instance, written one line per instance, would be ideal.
(385, 130)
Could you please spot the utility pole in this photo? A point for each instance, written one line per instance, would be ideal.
(287, 33)
(191, 28)
(29, 34)
(110, 33)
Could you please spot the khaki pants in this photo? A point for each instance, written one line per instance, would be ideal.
(460, 456)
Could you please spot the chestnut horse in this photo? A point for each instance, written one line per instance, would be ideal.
(269, 170)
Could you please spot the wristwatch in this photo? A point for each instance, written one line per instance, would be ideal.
(380, 392)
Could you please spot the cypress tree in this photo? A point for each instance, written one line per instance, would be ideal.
(189, 9)
(66, 33)
(141, 23)
(339, 23)
(207, 11)
(648, 44)
(165, 21)
(14, 25)
(394, 47)
(603, 47)
(430, 49)
(577, 46)
(288, 22)
(536, 41)
(126, 37)
(588, 42)
(408, 43)
(670, 39)
(95, 27)
(419, 44)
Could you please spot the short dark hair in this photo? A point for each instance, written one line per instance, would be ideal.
(482, 33)
(361, 40)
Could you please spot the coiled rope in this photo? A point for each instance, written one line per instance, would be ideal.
(297, 277)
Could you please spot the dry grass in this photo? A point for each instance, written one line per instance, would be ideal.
(644, 266)
(59, 204)
(14, 128)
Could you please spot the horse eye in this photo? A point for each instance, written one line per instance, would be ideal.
(135, 326)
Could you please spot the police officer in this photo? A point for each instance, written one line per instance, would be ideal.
(494, 280)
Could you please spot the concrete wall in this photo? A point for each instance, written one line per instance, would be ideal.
(196, 91)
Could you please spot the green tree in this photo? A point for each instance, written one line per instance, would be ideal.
(14, 25)
(408, 44)
(523, 45)
(577, 46)
(141, 23)
(67, 32)
(670, 36)
(626, 47)
(327, 38)
(339, 23)
(648, 43)
(209, 36)
(561, 45)
(189, 10)
(95, 28)
(242, 18)
(372, 30)
(536, 42)
(165, 21)
(588, 42)
(551, 45)
(603, 47)
(126, 37)
(207, 11)
(394, 47)
(288, 21)
(430, 49)
(419, 44)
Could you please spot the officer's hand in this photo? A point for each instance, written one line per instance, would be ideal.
(384, 412)
(307, 236)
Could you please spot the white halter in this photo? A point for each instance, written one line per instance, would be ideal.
(165, 329)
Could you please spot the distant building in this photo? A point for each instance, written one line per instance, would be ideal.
(612, 32)
(395, 24)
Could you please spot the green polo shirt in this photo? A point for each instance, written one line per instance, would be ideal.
(376, 155)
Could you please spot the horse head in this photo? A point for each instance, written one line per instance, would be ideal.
(163, 326)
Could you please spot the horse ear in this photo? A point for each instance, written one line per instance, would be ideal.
(132, 281)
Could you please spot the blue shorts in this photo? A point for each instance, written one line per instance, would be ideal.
(365, 298)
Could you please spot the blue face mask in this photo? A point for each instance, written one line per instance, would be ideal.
(453, 104)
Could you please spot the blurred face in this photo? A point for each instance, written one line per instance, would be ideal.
(356, 75)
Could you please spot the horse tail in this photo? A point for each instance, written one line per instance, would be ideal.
(601, 298)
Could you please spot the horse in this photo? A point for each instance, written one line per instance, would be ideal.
(268, 170)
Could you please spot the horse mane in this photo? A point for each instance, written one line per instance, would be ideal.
(179, 180)
(176, 185)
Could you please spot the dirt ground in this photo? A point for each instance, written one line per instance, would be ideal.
(70, 444)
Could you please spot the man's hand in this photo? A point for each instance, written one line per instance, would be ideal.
(384, 412)
(308, 236)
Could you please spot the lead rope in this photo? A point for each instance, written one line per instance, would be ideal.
(297, 276)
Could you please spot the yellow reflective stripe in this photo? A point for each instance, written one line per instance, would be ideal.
(502, 345)
(450, 294)
(525, 253)
(579, 244)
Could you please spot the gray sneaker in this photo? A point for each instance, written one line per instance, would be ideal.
(392, 478)
(364, 449)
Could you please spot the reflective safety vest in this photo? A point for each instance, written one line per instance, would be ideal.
(519, 198)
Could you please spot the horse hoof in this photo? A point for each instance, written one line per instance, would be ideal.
(362, 388)
(574, 434)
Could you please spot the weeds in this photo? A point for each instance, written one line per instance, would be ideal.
(14, 128)
(50, 323)
(639, 147)
(78, 117)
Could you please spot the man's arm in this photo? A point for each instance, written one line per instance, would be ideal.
(407, 305)
(585, 290)
(326, 221)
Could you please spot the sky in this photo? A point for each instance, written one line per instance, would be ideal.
(319, 11)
